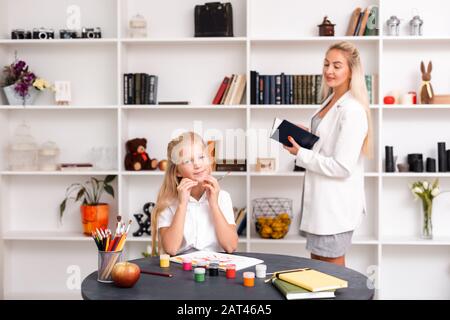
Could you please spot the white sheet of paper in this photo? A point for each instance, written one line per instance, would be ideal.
(241, 262)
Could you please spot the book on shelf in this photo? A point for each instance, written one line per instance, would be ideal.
(285, 89)
(221, 90)
(76, 166)
(293, 292)
(364, 17)
(231, 165)
(227, 89)
(353, 22)
(140, 88)
(363, 22)
(311, 280)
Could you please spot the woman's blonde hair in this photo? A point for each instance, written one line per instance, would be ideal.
(357, 88)
(168, 192)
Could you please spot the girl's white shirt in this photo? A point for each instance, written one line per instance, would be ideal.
(199, 232)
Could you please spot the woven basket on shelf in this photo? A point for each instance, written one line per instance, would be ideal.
(272, 216)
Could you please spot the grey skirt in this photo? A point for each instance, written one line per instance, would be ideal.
(329, 246)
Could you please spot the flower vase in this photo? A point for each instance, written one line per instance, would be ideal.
(15, 99)
(427, 226)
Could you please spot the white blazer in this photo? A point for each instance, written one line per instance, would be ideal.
(334, 198)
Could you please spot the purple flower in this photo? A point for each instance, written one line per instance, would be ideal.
(19, 66)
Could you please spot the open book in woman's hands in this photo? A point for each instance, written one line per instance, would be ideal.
(282, 129)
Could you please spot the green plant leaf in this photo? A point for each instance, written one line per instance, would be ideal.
(109, 190)
(62, 208)
(80, 194)
(109, 178)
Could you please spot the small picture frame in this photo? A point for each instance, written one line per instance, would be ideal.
(62, 92)
(266, 164)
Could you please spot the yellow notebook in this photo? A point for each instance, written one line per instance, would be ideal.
(312, 280)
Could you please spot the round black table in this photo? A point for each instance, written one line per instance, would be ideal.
(183, 287)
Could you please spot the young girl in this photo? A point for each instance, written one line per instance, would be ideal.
(333, 187)
(191, 210)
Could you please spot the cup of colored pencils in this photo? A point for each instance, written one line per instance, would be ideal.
(110, 249)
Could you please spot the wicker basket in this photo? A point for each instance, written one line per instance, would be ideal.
(272, 216)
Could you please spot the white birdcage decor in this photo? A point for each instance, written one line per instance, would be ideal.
(49, 156)
(138, 27)
(23, 150)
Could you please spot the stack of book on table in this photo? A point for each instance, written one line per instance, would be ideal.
(307, 284)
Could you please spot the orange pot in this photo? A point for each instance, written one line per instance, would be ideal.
(93, 217)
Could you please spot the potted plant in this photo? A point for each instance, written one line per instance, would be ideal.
(21, 86)
(94, 214)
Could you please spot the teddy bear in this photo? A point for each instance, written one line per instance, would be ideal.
(137, 158)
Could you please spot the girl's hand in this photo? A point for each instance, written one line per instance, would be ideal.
(213, 189)
(295, 146)
(184, 190)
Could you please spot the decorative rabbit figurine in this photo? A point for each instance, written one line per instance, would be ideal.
(426, 90)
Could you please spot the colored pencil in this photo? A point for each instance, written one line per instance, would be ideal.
(169, 275)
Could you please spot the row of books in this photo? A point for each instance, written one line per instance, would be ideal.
(294, 89)
(363, 22)
(231, 90)
(307, 284)
(140, 88)
(285, 89)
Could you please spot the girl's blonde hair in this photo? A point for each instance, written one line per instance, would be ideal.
(357, 88)
(168, 192)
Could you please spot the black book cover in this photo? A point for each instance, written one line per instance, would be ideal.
(143, 87)
(283, 86)
(272, 90)
(282, 129)
(253, 87)
(278, 89)
(155, 90)
(261, 89)
(137, 88)
(152, 90)
(147, 89)
(266, 89)
(125, 88)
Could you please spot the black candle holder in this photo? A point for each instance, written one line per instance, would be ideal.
(448, 160)
(431, 165)
(415, 161)
(442, 157)
(389, 161)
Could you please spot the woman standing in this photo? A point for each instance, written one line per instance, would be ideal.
(333, 191)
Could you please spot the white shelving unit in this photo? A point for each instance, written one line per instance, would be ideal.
(269, 39)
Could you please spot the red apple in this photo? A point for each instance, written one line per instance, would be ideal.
(125, 274)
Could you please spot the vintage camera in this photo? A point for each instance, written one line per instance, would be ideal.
(20, 34)
(43, 33)
(68, 34)
(91, 33)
